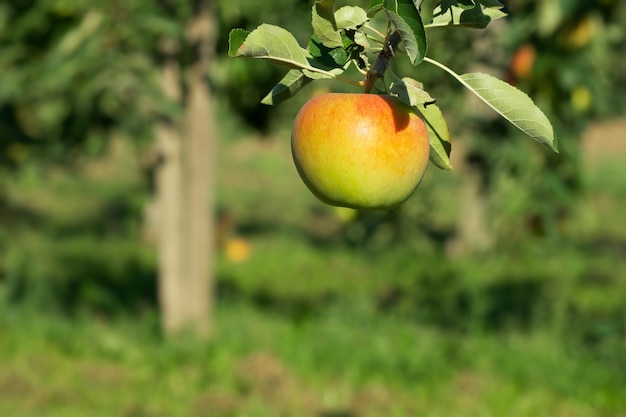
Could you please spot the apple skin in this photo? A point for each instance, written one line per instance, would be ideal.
(363, 151)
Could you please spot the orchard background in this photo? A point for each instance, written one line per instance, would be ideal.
(497, 289)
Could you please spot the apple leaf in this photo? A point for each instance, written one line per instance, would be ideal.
(492, 3)
(350, 17)
(236, 37)
(438, 136)
(410, 92)
(467, 14)
(333, 60)
(324, 24)
(513, 104)
(276, 45)
(405, 18)
(291, 83)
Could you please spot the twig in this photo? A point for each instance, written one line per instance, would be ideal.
(377, 71)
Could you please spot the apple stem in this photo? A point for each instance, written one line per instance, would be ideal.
(377, 71)
(376, 31)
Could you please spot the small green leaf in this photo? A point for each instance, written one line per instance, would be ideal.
(235, 39)
(410, 92)
(291, 83)
(446, 5)
(324, 24)
(491, 3)
(438, 136)
(268, 42)
(513, 104)
(333, 60)
(474, 18)
(375, 7)
(470, 15)
(407, 21)
(361, 40)
(355, 44)
(350, 17)
(274, 44)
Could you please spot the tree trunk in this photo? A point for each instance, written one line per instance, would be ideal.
(184, 183)
(198, 155)
(473, 232)
(169, 193)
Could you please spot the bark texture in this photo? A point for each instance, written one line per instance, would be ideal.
(184, 185)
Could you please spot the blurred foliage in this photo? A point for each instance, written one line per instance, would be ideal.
(71, 70)
(84, 68)
(564, 54)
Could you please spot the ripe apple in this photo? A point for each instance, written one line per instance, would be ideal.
(363, 151)
(523, 61)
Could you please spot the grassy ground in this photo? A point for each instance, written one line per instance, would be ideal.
(318, 315)
(342, 363)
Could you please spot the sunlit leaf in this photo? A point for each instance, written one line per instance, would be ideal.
(350, 17)
(268, 42)
(491, 3)
(333, 60)
(274, 44)
(513, 104)
(438, 136)
(291, 83)
(470, 15)
(406, 19)
(324, 24)
(410, 92)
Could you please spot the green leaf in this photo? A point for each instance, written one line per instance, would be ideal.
(274, 44)
(235, 39)
(410, 92)
(350, 17)
(268, 42)
(438, 136)
(324, 24)
(474, 18)
(446, 5)
(355, 45)
(291, 83)
(513, 104)
(329, 59)
(491, 3)
(407, 21)
(471, 15)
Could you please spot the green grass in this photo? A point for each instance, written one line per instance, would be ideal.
(347, 359)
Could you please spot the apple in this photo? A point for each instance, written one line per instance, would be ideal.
(363, 151)
(523, 61)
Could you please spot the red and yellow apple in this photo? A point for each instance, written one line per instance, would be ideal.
(363, 151)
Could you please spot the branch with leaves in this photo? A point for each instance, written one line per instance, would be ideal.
(340, 40)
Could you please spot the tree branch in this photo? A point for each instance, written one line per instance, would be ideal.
(377, 71)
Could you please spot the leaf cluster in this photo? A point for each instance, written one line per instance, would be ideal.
(346, 37)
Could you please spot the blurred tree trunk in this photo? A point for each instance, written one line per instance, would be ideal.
(169, 194)
(184, 185)
(473, 232)
(198, 155)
